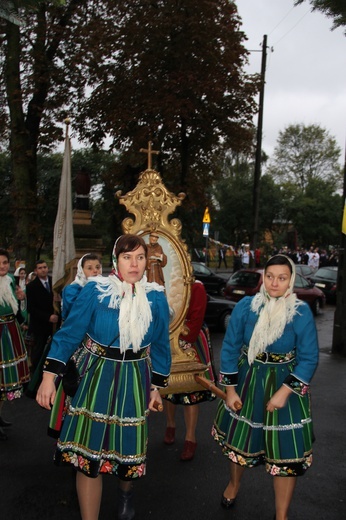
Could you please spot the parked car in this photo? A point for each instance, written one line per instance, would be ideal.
(325, 279)
(305, 270)
(218, 312)
(213, 282)
(247, 282)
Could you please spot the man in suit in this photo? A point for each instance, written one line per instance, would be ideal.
(39, 294)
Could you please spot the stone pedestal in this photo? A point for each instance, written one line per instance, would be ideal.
(81, 217)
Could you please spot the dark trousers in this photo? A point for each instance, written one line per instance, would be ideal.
(40, 341)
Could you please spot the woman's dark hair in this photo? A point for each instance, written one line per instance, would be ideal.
(279, 260)
(127, 243)
(4, 252)
(90, 256)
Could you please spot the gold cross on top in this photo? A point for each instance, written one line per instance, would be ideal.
(150, 152)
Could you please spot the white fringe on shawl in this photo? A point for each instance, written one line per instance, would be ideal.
(6, 293)
(274, 314)
(135, 313)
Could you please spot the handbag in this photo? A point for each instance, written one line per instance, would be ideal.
(71, 377)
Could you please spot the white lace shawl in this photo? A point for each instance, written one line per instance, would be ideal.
(6, 293)
(134, 308)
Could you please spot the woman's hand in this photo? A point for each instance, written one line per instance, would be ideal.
(20, 294)
(279, 399)
(46, 393)
(155, 399)
(233, 400)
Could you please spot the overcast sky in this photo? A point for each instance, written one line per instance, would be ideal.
(306, 67)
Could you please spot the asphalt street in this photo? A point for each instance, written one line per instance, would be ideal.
(32, 488)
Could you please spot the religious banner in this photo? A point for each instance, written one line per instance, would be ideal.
(63, 241)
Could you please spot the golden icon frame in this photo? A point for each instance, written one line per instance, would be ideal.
(151, 204)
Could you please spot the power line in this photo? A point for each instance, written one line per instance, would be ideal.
(282, 19)
(295, 25)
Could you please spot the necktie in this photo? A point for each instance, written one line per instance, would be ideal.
(46, 284)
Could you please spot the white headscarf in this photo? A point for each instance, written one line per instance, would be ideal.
(6, 293)
(80, 277)
(21, 281)
(274, 314)
(131, 300)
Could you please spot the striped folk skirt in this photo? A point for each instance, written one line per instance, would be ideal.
(104, 428)
(14, 369)
(282, 440)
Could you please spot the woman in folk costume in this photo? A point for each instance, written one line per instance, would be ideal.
(14, 369)
(268, 357)
(19, 276)
(105, 429)
(88, 266)
(198, 338)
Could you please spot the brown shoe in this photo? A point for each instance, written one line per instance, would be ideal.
(169, 435)
(189, 450)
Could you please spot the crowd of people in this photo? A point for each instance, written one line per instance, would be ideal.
(116, 330)
(315, 257)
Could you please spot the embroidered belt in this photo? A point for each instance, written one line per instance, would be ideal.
(114, 353)
(6, 318)
(272, 357)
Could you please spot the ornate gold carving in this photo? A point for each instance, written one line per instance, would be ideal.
(151, 204)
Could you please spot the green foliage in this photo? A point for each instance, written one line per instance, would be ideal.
(234, 197)
(335, 9)
(315, 213)
(175, 78)
(304, 153)
(133, 71)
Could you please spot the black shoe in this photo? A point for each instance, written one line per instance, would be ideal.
(4, 424)
(126, 509)
(3, 436)
(227, 503)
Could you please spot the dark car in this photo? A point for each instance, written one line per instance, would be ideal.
(305, 270)
(218, 312)
(213, 282)
(247, 282)
(325, 279)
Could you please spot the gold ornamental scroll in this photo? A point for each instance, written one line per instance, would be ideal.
(151, 204)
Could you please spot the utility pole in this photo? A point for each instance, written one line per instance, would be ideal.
(339, 328)
(257, 175)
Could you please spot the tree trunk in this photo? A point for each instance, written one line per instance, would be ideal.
(23, 161)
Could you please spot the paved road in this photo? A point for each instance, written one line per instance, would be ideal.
(32, 488)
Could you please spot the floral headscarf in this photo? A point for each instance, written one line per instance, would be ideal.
(274, 314)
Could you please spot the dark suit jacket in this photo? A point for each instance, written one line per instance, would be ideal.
(40, 306)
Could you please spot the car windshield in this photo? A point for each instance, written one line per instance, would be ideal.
(245, 279)
(326, 273)
(201, 269)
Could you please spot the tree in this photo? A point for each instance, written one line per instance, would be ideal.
(304, 153)
(179, 76)
(28, 54)
(6, 221)
(314, 212)
(335, 9)
(233, 195)
(136, 70)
